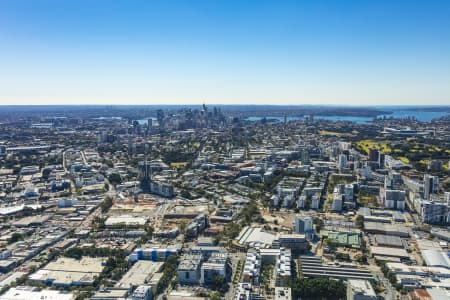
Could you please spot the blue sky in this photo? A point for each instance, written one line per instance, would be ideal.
(359, 52)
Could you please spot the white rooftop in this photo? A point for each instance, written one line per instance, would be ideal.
(255, 237)
(31, 293)
(436, 258)
(361, 287)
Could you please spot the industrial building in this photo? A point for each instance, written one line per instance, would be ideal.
(139, 274)
(382, 240)
(436, 258)
(255, 237)
(420, 276)
(189, 269)
(34, 293)
(360, 290)
(388, 229)
(387, 253)
(66, 272)
(312, 266)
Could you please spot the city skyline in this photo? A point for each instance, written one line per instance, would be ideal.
(224, 149)
(359, 53)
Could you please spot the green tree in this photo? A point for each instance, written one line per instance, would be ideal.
(359, 222)
(182, 226)
(106, 204)
(361, 258)
(115, 179)
(342, 256)
(218, 282)
(15, 237)
(98, 222)
(319, 224)
(46, 173)
(169, 272)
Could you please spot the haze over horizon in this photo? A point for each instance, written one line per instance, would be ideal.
(369, 53)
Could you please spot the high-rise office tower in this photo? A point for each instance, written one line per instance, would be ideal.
(303, 224)
(430, 185)
(373, 154)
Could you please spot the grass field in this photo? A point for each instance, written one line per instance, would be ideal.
(404, 159)
(425, 161)
(332, 133)
(371, 144)
(179, 165)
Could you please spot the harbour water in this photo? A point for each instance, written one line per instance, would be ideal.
(423, 116)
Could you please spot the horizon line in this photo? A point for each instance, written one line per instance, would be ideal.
(221, 104)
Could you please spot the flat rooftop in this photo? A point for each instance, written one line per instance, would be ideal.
(110, 293)
(139, 274)
(125, 219)
(85, 265)
(255, 236)
(387, 251)
(362, 287)
(31, 293)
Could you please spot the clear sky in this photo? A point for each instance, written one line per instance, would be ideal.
(361, 52)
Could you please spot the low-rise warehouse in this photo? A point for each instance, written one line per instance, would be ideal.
(33, 293)
(436, 258)
(140, 273)
(67, 272)
(382, 240)
(312, 266)
(388, 229)
(389, 252)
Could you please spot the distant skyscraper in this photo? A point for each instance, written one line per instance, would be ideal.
(373, 154)
(305, 156)
(160, 117)
(342, 161)
(430, 185)
(102, 137)
(381, 160)
(130, 145)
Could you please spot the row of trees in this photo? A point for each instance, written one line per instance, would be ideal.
(169, 272)
(248, 214)
(77, 253)
(389, 275)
